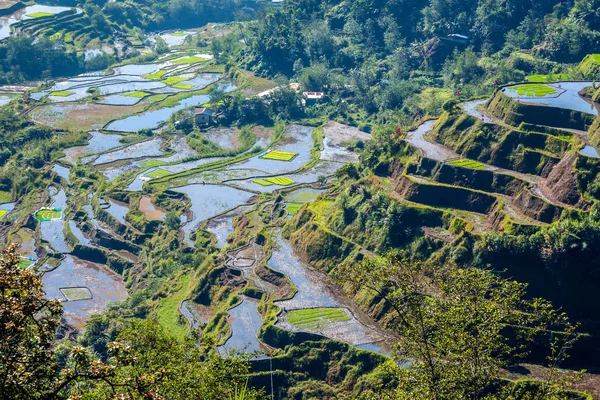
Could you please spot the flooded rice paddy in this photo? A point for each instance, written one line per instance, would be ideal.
(245, 322)
(589, 151)
(81, 238)
(153, 119)
(296, 139)
(149, 148)
(208, 201)
(312, 292)
(52, 231)
(63, 172)
(118, 210)
(105, 285)
(222, 226)
(566, 96)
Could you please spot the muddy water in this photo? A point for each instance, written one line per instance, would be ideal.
(52, 231)
(208, 201)
(105, 285)
(151, 212)
(222, 226)
(98, 143)
(245, 322)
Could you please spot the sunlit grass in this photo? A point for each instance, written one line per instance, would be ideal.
(540, 78)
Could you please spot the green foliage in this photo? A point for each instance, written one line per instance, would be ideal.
(450, 322)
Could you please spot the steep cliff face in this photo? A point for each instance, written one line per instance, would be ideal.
(562, 182)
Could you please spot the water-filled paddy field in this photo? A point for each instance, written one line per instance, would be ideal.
(208, 201)
(560, 95)
(105, 286)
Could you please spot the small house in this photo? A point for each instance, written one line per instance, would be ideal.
(203, 116)
(311, 98)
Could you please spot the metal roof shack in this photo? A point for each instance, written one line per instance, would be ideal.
(311, 98)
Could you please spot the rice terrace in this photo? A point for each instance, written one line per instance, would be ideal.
(294, 200)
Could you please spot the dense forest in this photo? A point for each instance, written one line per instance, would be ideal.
(425, 226)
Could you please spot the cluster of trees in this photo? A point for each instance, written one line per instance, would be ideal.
(144, 362)
(25, 57)
(383, 53)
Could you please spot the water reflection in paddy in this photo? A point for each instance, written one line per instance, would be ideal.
(153, 119)
(567, 96)
(245, 322)
(106, 286)
(312, 292)
(208, 201)
(52, 231)
(63, 172)
(23, 14)
(589, 151)
(148, 148)
(296, 139)
(79, 234)
(118, 210)
(222, 226)
(98, 143)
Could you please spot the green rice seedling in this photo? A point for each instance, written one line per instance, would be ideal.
(40, 14)
(533, 90)
(279, 155)
(262, 182)
(155, 75)
(152, 163)
(185, 86)
(61, 93)
(76, 293)
(281, 181)
(138, 95)
(159, 173)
